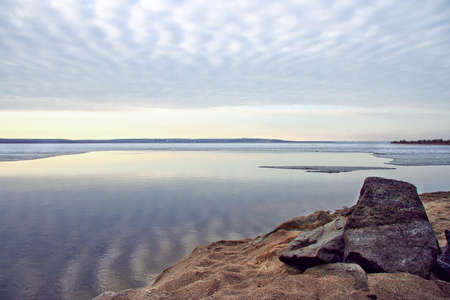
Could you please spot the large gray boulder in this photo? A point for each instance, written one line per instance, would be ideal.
(388, 230)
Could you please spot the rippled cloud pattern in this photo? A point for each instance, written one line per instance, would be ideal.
(110, 54)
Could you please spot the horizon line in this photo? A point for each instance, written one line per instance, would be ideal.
(164, 140)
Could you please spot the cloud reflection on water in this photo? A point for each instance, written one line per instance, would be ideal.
(74, 226)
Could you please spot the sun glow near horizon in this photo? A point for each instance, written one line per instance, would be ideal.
(283, 122)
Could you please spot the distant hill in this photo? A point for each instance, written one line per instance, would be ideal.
(424, 142)
(122, 141)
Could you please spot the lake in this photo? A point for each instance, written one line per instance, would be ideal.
(86, 218)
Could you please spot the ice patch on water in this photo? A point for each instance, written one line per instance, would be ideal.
(404, 155)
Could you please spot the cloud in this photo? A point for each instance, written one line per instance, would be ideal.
(113, 54)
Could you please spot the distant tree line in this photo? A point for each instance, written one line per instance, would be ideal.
(424, 142)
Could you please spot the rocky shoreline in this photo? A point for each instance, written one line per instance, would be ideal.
(390, 245)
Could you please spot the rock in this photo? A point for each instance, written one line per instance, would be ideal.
(443, 261)
(322, 245)
(344, 270)
(309, 222)
(446, 249)
(388, 230)
(384, 202)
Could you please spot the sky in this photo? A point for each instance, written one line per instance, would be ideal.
(292, 69)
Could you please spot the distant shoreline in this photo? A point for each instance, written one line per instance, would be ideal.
(149, 141)
(18, 150)
(424, 142)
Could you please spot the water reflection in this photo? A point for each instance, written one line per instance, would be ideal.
(205, 164)
(74, 226)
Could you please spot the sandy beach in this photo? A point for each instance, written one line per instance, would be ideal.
(250, 269)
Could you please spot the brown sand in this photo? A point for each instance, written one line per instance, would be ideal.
(437, 206)
(250, 269)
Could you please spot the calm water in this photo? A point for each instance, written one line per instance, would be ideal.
(73, 226)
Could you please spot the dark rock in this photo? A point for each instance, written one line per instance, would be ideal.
(322, 245)
(388, 230)
(344, 270)
(384, 202)
(443, 261)
(445, 256)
